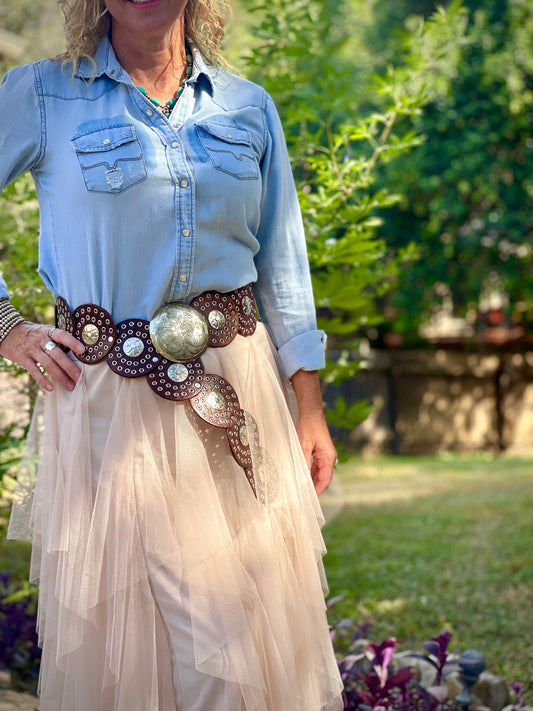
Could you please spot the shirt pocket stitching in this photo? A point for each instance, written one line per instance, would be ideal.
(223, 144)
(104, 152)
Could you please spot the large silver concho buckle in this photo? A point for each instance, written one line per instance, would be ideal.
(179, 332)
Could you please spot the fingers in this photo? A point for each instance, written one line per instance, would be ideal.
(61, 369)
(317, 448)
(29, 345)
(64, 338)
(322, 473)
(37, 374)
(323, 460)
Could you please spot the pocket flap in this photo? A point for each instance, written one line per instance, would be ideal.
(104, 139)
(229, 133)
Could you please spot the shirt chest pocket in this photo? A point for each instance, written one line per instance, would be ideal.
(230, 149)
(111, 158)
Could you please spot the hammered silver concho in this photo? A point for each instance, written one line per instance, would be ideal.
(179, 332)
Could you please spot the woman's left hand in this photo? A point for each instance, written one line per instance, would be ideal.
(319, 450)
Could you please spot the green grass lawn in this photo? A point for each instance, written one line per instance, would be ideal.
(423, 543)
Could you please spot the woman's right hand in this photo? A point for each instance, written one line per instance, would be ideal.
(24, 345)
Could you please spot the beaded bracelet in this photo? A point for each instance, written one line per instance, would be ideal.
(9, 318)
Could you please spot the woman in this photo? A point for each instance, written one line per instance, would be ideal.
(175, 522)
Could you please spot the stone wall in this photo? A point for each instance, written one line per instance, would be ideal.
(430, 401)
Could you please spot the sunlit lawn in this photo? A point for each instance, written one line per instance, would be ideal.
(431, 542)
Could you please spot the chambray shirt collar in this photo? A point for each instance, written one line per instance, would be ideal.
(107, 63)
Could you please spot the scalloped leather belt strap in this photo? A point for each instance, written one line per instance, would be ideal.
(167, 351)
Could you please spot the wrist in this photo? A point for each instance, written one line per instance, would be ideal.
(9, 318)
(308, 392)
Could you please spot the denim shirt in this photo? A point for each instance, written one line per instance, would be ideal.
(138, 210)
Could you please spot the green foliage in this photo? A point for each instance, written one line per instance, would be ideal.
(38, 22)
(10, 455)
(19, 235)
(348, 416)
(467, 194)
(341, 129)
(16, 16)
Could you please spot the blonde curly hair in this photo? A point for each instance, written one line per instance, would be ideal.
(87, 21)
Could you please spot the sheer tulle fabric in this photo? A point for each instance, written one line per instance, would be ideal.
(128, 484)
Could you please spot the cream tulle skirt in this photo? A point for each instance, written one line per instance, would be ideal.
(129, 484)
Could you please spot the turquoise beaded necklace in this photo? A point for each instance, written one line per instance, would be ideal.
(166, 109)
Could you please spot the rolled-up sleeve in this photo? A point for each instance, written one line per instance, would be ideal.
(283, 291)
(21, 128)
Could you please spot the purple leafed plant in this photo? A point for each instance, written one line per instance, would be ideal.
(438, 655)
(378, 688)
(370, 683)
(18, 640)
(519, 689)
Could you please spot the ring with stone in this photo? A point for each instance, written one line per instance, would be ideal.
(51, 333)
(49, 347)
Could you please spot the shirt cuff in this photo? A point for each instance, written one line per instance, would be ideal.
(303, 352)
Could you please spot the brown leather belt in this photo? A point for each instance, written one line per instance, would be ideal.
(167, 351)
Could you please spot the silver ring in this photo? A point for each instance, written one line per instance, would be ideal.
(49, 347)
(51, 333)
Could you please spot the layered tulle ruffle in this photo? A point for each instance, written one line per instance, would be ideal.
(129, 484)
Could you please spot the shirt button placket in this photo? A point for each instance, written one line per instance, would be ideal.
(185, 249)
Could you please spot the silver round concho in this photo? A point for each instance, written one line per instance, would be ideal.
(178, 372)
(90, 334)
(243, 435)
(239, 442)
(177, 381)
(216, 319)
(64, 317)
(133, 347)
(217, 402)
(134, 354)
(247, 305)
(179, 332)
